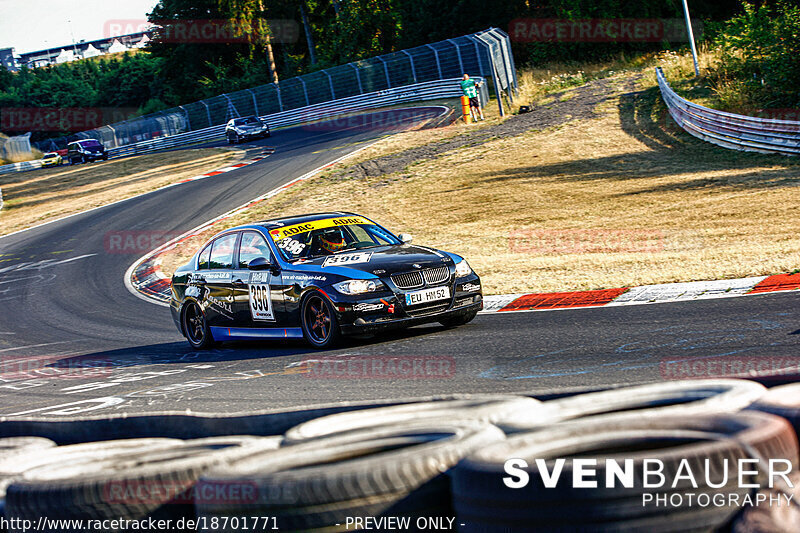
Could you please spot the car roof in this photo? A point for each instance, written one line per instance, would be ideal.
(299, 219)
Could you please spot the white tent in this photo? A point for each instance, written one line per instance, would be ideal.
(116, 47)
(143, 42)
(91, 51)
(65, 56)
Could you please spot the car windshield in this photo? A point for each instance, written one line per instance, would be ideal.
(327, 239)
(50, 155)
(89, 144)
(246, 121)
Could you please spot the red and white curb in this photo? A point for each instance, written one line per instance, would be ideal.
(647, 294)
(266, 153)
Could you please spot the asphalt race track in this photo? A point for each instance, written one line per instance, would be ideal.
(73, 340)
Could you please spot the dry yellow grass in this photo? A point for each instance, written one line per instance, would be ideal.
(40, 195)
(620, 200)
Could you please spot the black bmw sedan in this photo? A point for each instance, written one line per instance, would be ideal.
(318, 277)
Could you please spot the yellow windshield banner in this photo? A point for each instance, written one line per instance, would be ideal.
(281, 233)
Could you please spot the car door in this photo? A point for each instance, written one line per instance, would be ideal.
(213, 278)
(258, 300)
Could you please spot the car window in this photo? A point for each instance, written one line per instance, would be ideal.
(202, 259)
(253, 245)
(222, 252)
(89, 143)
(329, 240)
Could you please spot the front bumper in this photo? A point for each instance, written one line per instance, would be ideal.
(253, 134)
(374, 314)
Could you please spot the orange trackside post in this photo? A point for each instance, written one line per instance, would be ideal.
(466, 110)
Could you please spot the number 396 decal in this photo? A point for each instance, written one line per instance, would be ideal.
(292, 246)
(260, 302)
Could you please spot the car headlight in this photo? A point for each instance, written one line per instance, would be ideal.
(358, 286)
(463, 269)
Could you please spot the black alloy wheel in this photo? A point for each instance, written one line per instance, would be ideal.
(319, 323)
(196, 327)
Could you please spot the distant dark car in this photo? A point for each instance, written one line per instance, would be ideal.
(243, 129)
(86, 150)
(317, 277)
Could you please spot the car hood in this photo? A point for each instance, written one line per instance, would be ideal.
(383, 260)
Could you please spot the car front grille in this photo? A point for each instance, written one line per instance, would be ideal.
(415, 280)
(436, 275)
(408, 280)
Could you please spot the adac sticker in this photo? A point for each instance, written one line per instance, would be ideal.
(281, 233)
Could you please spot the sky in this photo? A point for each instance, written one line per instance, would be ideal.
(30, 25)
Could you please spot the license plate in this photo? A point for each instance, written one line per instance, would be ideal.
(427, 295)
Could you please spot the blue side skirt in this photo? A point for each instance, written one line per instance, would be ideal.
(231, 334)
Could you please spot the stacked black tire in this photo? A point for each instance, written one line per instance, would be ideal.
(431, 458)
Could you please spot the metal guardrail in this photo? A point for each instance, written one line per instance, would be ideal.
(737, 132)
(432, 90)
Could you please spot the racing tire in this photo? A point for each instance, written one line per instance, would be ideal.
(484, 503)
(459, 321)
(105, 157)
(195, 327)
(682, 398)
(136, 485)
(482, 408)
(236, 138)
(318, 321)
(393, 471)
(13, 468)
(13, 446)
(783, 401)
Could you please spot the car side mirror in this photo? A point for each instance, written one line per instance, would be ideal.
(260, 263)
(405, 238)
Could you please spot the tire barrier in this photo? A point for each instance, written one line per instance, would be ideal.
(313, 469)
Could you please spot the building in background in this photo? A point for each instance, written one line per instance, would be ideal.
(8, 59)
(72, 52)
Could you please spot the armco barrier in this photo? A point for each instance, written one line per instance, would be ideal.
(737, 132)
(18, 167)
(432, 90)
